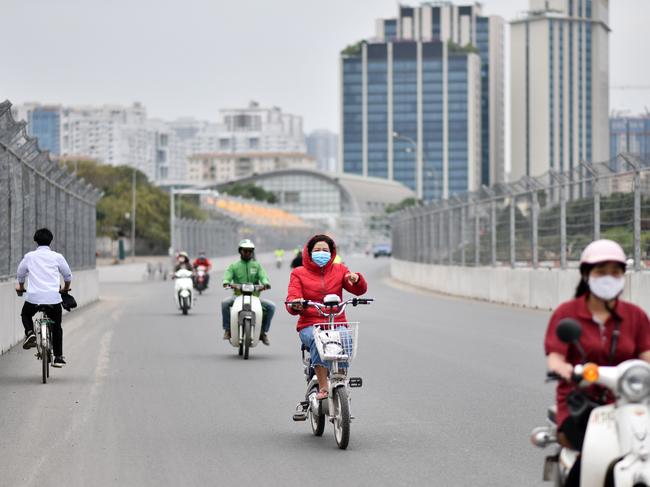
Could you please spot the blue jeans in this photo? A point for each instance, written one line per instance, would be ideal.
(268, 310)
(307, 339)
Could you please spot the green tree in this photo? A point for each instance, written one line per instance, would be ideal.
(249, 191)
(152, 204)
(405, 203)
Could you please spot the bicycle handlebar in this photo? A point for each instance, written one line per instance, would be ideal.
(330, 308)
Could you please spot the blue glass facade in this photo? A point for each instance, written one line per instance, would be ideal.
(628, 134)
(458, 149)
(378, 110)
(353, 114)
(390, 29)
(405, 110)
(483, 45)
(45, 124)
(432, 120)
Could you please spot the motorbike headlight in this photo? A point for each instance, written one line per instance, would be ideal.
(635, 383)
(247, 288)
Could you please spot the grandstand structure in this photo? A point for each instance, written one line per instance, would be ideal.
(269, 226)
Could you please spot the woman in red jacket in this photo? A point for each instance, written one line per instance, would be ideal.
(613, 331)
(318, 277)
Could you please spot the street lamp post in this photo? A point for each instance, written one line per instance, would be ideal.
(397, 135)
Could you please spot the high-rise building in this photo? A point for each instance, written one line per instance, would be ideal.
(43, 122)
(260, 129)
(323, 145)
(631, 135)
(119, 135)
(559, 86)
(222, 167)
(422, 103)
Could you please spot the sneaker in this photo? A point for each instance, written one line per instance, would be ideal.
(265, 339)
(58, 362)
(30, 340)
(226, 335)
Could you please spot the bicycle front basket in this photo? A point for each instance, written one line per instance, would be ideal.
(338, 342)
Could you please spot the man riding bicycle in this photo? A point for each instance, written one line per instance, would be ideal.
(247, 271)
(43, 266)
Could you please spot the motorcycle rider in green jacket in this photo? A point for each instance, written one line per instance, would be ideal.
(247, 271)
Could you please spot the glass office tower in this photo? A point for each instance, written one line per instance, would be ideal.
(422, 102)
(411, 113)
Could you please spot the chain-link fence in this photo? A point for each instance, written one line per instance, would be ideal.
(221, 237)
(536, 222)
(35, 192)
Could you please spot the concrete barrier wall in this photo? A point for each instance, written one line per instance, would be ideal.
(85, 289)
(532, 288)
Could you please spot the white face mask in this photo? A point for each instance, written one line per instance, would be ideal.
(606, 287)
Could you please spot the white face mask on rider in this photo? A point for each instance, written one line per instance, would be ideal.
(606, 287)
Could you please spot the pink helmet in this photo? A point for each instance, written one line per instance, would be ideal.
(602, 251)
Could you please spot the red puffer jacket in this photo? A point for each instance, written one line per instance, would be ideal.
(314, 283)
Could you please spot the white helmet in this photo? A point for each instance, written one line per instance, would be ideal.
(603, 250)
(246, 244)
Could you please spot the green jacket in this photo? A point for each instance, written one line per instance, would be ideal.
(242, 272)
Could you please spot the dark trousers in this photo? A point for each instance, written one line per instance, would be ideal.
(28, 312)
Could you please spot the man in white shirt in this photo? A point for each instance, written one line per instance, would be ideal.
(44, 266)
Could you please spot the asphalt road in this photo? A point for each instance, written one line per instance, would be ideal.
(153, 398)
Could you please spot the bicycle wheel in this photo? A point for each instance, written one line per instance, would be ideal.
(342, 417)
(45, 362)
(247, 338)
(316, 420)
(50, 353)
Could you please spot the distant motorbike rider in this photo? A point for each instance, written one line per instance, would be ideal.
(613, 331)
(247, 271)
(297, 259)
(202, 260)
(183, 262)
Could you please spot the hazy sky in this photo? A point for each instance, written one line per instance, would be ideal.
(192, 57)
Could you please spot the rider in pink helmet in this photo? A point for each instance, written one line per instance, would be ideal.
(613, 331)
(602, 251)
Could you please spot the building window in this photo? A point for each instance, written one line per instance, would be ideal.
(254, 143)
(224, 144)
(292, 197)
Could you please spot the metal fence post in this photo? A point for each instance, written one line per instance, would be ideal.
(450, 234)
(596, 191)
(493, 232)
(533, 229)
(463, 216)
(441, 233)
(560, 180)
(637, 220)
(477, 234)
(513, 255)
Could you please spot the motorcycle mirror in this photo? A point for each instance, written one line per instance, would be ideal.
(568, 330)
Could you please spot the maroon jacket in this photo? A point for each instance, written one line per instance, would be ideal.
(314, 283)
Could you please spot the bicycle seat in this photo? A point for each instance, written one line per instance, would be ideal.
(44, 307)
(303, 348)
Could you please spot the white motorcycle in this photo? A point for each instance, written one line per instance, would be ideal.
(183, 287)
(336, 343)
(247, 313)
(616, 447)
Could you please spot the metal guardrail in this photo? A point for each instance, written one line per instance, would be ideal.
(35, 192)
(533, 222)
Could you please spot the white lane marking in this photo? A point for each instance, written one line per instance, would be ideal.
(100, 373)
